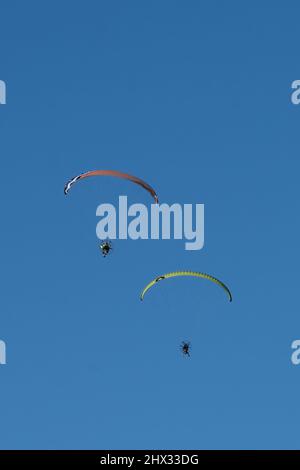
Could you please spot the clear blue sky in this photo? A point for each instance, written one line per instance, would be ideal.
(194, 97)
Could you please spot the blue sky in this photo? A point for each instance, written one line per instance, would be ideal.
(193, 97)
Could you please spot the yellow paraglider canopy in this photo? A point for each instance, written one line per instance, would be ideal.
(186, 273)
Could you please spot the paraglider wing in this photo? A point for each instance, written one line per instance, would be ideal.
(117, 174)
(70, 183)
(186, 273)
